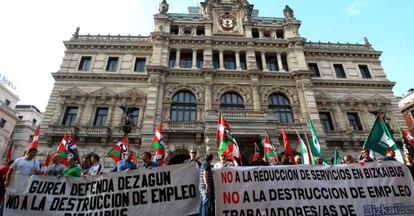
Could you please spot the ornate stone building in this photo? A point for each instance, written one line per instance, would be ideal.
(8, 118)
(221, 56)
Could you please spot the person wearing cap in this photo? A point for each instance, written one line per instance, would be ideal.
(56, 168)
(73, 169)
(25, 166)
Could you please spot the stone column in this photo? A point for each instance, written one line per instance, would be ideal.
(237, 60)
(279, 62)
(221, 60)
(264, 64)
(194, 59)
(256, 96)
(339, 118)
(177, 58)
(81, 107)
(208, 82)
(159, 113)
(110, 114)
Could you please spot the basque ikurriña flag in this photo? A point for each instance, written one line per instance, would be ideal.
(159, 146)
(227, 144)
(119, 150)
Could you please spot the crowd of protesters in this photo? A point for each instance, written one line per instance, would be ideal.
(92, 166)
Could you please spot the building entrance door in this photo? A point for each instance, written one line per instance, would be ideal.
(246, 145)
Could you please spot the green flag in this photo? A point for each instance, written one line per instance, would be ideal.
(314, 144)
(379, 139)
(337, 158)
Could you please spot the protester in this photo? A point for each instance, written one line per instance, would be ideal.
(365, 156)
(147, 162)
(26, 166)
(73, 169)
(86, 164)
(389, 156)
(285, 159)
(409, 163)
(259, 161)
(4, 169)
(193, 157)
(318, 161)
(223, 162)
(97, 166)
(348, 159)
(272, 161)
(126, 164)
(56, 168)
(206, 187)
(298, 159)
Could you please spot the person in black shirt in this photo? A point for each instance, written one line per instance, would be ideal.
(206, 187)
(285, 159)
(259, 161)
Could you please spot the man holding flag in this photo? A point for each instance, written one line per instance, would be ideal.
(227, 144)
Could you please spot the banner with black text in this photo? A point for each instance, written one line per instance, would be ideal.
(378, 188)
(171, 190)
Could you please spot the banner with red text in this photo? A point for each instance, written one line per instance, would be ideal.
(171, 190)
(369, 189)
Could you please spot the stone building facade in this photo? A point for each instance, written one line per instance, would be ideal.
(8, 118)
(407, 109)
(221, 56)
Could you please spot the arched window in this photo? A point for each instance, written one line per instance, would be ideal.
(280, 105)
(231, 101)
(183, 107)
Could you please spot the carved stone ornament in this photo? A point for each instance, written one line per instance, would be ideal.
(228, 22)
(288, 12)
(164, 6)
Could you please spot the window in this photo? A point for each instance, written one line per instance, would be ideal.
(255, 33)
(2, 123)
(271, 63)
(412, 113)
(85, 63)
(243, 64)
(100, 117)
(229, 61)
(135, 116)
(279, 34)
(231, 101)
(339, 70)
(216, 60)
(285, 63)
(365, 72)
(183, 107)
(139, 65)
(280, 105)
(112, 65)
(200, 30)
(174, 30)
(313, 68)
(200, 61)
(186, 60)
(259, 63)
(326, 121)
(354, 121)
(7, 102)
(172, 59)
(70, 116)
(20, 117)
(34, 121)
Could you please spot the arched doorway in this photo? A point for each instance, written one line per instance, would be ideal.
(178, 159)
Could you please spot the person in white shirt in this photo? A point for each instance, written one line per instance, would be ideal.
(97, 167)
(223, 162)
(26, 166)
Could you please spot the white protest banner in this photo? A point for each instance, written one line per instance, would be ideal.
(172, 190)
(376, 189)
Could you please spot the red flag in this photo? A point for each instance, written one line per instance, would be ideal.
(408, 137)
(159, 146)
(46, 164)
(288, 149)
(9, 152)
(119, 150)
(61, 150)
(35, 144)
(256, 152)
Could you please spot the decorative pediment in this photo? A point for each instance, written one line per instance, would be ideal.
(103, 92)
(321, 96)
(349, 99)
(133, 93)
(73, 92)
(379, 99)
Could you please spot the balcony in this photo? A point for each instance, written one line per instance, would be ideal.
(243, 115)
(59, 130)
(187, 126)
(92, 131)
(293, 127)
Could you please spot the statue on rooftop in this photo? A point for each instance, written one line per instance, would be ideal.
(164, 6)
(289, 14)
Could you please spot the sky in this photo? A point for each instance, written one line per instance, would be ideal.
(32, 32)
